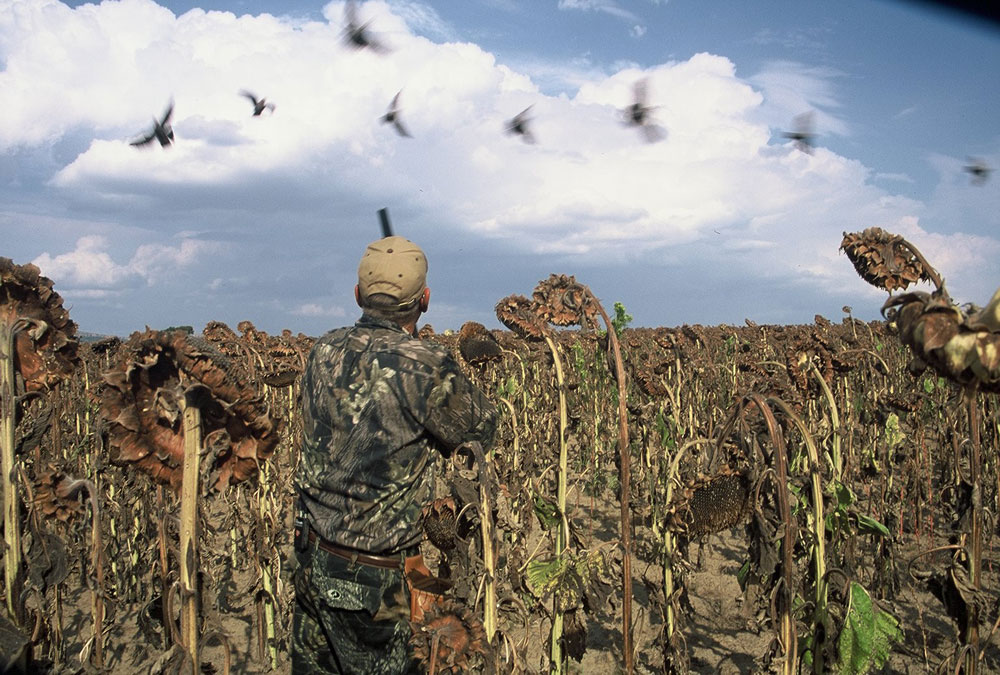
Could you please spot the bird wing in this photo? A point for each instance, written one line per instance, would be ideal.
(640, 89)
(376, 44)
(653, 132)
(145, 140)
(167, 114)
(803, 124)
(247, 94)
(400, 128)
(351, 13)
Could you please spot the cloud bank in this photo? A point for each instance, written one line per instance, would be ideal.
(247, 217)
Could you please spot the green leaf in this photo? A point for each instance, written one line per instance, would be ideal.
(887, 632)
(868, 525)
(507, 387)
(743, 575)
(893, 435)
(867, 636)
(844, 495)
(621, 318)
(547, 512)
(564, 577)
(544, 574)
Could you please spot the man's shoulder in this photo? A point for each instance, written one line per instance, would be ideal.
(419, 353)
(396, 344)
(336, 338)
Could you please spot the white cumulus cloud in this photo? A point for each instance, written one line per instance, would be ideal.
(289, 192)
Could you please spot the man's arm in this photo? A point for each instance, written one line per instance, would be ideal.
(457, 410)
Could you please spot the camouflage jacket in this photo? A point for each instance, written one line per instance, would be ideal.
(378, 408)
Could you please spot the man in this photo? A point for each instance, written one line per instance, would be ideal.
(379, 407)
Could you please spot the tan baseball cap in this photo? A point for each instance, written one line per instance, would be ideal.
(394, 266)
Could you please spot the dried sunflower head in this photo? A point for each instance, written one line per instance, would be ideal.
(45, 348)
(143, 394)
(476, 344)
(646, 372)
(711, 504)
(798, 356)
(562, 301)
(520, 315)
(439, 520)
(55, 495)
(961, 348)
(886, 260)
(217, 332)
(451, 637)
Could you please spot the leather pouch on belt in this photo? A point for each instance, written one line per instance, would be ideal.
(425, 589)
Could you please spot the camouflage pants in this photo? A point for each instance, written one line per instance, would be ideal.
(349, 618)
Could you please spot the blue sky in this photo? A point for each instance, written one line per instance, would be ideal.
(264, 218)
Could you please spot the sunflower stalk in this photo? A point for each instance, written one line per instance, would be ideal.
(189, 525)
(821, 617)
(11, 508)
(164, 567)
(557, 658)
(976, 559)
(835, 454)
(266, 498)
(625, 488)
(670, 541)
(786, 629)
(96, 561)
(489, 555)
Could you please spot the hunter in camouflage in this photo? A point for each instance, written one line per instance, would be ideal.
(379, 407)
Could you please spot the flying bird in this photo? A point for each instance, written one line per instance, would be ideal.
(978, 169)
(392, 116)
(802, 132)
(638, 114)
(518, 126)
(161, 132)
(357, 34)
(259, 105)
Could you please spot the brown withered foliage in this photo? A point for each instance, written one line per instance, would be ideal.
(477, 345)
(450, 637)
(45, 347)
(142, 397)
(562, 301)
(276, 361)
(647, 368)
(224, 338)
(800, 354)
(54, 495)
(520, 315)
(280, 354)
(886, 260)
(962, 348)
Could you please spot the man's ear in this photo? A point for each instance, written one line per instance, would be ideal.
(425, 300)
(357, 294)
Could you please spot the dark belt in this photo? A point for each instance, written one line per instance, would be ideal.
(392, 562)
